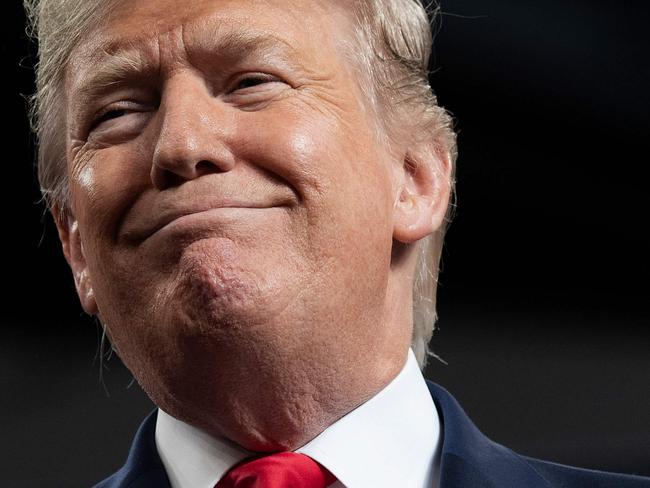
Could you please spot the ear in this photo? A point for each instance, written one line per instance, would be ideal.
(68, 229)
(423, 190)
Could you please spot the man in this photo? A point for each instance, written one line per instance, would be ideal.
(252, 197)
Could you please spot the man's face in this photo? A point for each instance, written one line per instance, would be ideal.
(226, 186)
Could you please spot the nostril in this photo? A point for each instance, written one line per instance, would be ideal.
(169, 179)
(173, 176)
(204, 166)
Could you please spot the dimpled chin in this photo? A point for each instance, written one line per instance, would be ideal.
(220, 286)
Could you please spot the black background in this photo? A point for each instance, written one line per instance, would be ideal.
(543, 295)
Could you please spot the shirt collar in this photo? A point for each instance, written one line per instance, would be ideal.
(391, 440)
(192, 458)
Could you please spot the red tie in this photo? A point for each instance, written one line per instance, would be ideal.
(279, 470)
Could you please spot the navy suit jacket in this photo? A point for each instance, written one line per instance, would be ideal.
(469, 460)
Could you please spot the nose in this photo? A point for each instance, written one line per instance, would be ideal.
(193, 135)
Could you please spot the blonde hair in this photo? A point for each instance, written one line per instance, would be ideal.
(394, 39)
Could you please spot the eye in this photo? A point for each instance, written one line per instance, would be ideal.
(119, 120)
(253, 91)
(109, 115)
(251, 81)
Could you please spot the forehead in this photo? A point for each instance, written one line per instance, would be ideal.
(132, 25)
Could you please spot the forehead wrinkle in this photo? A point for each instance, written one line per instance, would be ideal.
(229, 39)
(114, 59)
(111, 62)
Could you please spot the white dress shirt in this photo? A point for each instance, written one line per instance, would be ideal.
(391, 440)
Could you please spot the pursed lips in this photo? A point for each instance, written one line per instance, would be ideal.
(143, 230)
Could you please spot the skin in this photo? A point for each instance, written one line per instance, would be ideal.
(263, 325)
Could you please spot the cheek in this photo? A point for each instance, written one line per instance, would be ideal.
(290, 146)
(343, 183)
(324, 159)
(104, 184)
(103, 187)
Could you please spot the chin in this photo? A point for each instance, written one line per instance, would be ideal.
(218, 286)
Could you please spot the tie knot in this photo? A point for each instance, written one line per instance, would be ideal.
(279, 470)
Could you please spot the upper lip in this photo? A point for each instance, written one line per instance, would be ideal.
(143, 229)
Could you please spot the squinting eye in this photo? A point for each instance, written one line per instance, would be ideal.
(254, 91)
(111, 114)
(252, 81)
(106, 116)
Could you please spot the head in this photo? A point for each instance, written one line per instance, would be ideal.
(247, 192)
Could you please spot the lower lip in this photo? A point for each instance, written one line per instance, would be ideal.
(213, 219)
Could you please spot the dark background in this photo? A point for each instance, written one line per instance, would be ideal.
(543, 295)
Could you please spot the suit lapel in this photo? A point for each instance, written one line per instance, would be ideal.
(143, 467)
(471, 460)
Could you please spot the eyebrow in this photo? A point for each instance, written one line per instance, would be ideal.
(111, 67)
(115, 60)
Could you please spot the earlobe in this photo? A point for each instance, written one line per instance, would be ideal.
(422, 197)
(70, 237)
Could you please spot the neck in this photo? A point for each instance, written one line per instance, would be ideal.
(287, 405)
(279, 392)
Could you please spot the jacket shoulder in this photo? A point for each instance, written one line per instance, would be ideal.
(143, 467)
(562, 476)
(471, 460)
